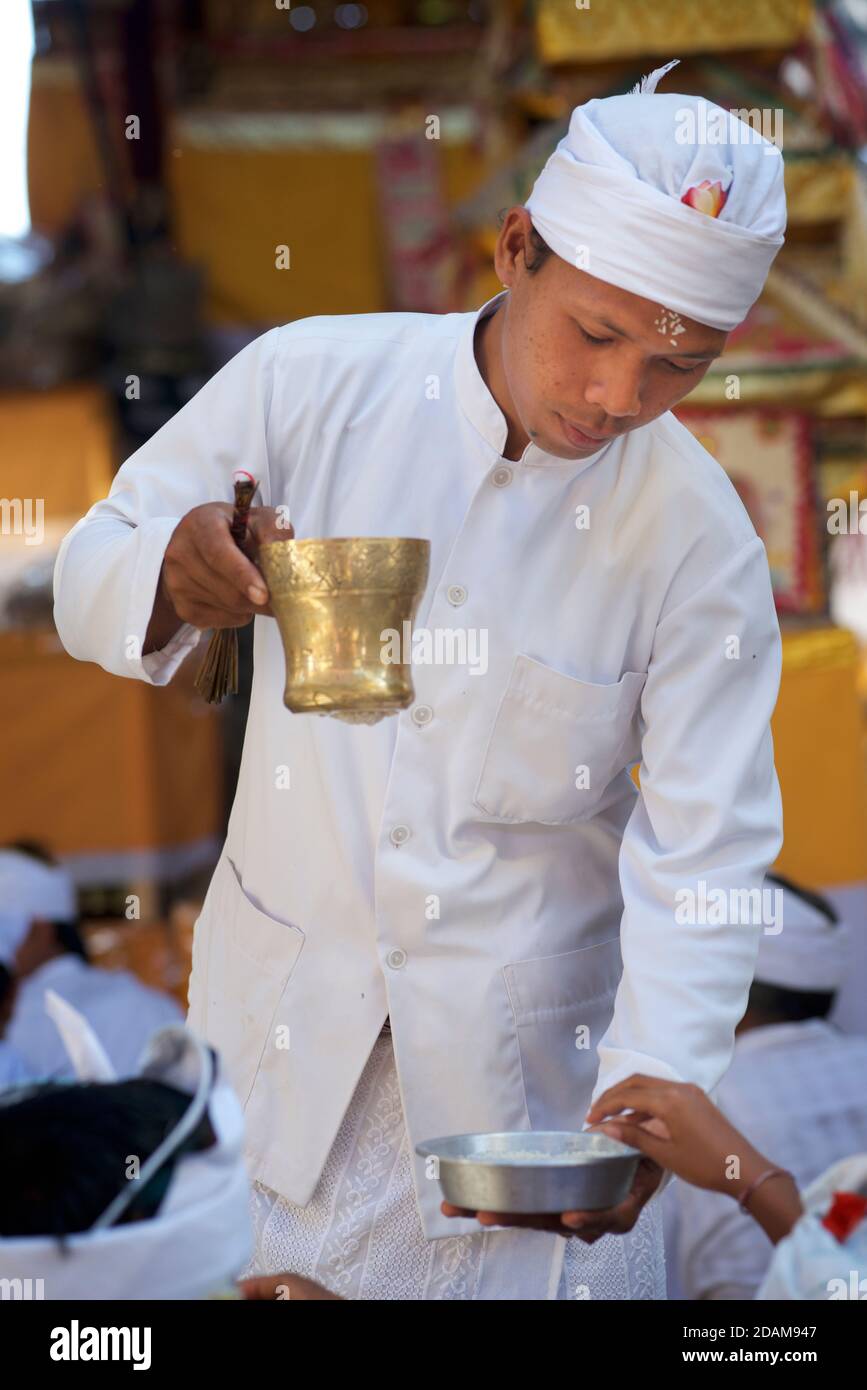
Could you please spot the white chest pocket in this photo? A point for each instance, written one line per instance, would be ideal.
(557, 744)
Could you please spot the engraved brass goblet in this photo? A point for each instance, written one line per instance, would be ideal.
(337, 602)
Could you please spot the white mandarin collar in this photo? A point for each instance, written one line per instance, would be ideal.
(480, 408)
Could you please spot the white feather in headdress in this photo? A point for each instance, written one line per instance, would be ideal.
(648, 83)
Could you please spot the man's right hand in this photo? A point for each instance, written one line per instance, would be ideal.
(285, 1286)
(206, 579)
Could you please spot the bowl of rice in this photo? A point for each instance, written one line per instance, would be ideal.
(544, 1171)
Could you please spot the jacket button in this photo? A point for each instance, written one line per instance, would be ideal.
(399, 835)
(396, 959)
(422, 714)
(456, 595)
(501, 477)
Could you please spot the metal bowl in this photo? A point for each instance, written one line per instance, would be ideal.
(531, 1170)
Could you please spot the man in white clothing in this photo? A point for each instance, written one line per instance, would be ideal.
(481, 869)
(39, 934)
(13, 1068)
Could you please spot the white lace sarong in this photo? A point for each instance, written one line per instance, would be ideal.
(361, 1236)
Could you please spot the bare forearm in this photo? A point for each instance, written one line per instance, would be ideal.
(776, 1203)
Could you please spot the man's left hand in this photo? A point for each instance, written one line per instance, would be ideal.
(587, 1225)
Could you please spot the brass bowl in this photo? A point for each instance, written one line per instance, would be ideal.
(336, 603)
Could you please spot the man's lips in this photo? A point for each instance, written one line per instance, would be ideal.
(581, 437)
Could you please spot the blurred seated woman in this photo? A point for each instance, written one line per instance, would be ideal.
(820, 1235)
(131, 1189)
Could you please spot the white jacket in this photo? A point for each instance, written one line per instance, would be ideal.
(451, 866)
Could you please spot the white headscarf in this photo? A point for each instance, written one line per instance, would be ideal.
(667, 196)
(808, 953)
(199, 1240)
(31, 889)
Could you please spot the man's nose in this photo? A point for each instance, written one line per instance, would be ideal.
(617, 392)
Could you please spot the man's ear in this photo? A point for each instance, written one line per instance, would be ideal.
(510, 256)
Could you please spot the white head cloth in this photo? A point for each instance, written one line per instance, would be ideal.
(610, 201)
(199, 1240)
(811, 1264)
(809, 953)
(30, 889)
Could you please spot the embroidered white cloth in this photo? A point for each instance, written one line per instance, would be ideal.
(667, 196)
(361, 1236)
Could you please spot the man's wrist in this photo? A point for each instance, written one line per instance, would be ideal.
(774, 1203)
(164, 621)
(751, 1167)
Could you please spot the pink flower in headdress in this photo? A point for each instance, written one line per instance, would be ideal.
(706, 197)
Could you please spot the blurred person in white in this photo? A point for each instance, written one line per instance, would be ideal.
(39, 935)
(131, 1189)
(481, 869)
(13, 1068)
(797, 1087)
(818, 1236)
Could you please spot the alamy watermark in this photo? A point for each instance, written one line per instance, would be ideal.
(730, 906)
(21, 1289)
(848, 520)
(17, 518)
(439, 646)
(707, 124)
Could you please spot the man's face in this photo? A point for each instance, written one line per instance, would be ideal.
(583, 360)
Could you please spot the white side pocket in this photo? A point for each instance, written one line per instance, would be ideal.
(250, 958)
(562, 1006)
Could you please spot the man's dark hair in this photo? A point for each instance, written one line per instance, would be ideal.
(65, 1150)
(67, 933)
(541, 249)
(7, 984)
(34, 850)
(807, 895)
(775, 1003)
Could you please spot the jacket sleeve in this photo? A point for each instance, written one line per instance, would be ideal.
(708, 818)
(108, 565)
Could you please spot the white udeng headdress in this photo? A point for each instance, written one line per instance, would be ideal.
(610, 201)
(28, 889)
(199, 1240)
(808, 953)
